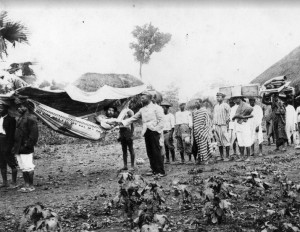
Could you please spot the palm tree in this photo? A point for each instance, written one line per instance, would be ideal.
(10, 32)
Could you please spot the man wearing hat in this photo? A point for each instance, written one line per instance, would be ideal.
(169, 123)
(221, 124)
(153, 124)
(7, 133)
(26, 137)
(243, 126)
(183, 130)
(256, 125)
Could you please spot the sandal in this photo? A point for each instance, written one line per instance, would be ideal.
(31, 189)
(23, 190)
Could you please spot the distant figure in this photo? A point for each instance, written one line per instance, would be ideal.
(202, 125)
(183, 129)
(298, 127)
(232, 130)
(169, 124)
(257, 132)
(220, 125)
(279, 121)
(26, 137)
(7, 133)
(291, 121)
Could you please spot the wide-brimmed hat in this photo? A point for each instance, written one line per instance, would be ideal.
(21, 100)
(147, 93)
(113, 107)
(165, 103)
(221, 94)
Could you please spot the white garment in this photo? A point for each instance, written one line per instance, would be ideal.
(291, 121)
(232, 113)
(244, 133)
(169, 121)
(184, 117)
(298, 114)
(25, 162)
(256, 122)
(2, 131)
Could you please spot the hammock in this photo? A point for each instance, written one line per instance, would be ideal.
(72, 126)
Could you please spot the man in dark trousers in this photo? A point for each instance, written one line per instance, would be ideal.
(26, 137)
(152, 116)
(7, 133)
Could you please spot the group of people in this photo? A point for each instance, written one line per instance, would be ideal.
(17, 141)
(236, 124)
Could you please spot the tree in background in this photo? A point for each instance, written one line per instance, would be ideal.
(149, 40)
(11, 32)
(171, 95)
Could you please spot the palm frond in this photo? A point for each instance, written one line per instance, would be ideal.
(12, 32)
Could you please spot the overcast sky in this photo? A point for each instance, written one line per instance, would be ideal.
(235, 42)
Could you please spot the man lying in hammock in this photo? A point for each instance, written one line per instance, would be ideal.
(126, 132)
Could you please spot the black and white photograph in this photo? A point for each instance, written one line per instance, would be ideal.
(149, 116)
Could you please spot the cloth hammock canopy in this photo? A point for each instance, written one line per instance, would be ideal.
(78, 103)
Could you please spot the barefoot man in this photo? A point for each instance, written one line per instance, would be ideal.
(126, 133)
(242, 126)
(169, 123)
(26, 137)
(153, 124)
(7, 133)
(256, 127)
(220, 125)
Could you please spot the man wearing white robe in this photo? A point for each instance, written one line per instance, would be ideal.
(231, 128)
(291, 121)
(257, 134)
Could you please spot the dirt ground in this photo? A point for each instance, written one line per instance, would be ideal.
(75, 180)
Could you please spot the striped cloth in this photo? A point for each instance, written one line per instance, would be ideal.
(202, 125)
(221, 114)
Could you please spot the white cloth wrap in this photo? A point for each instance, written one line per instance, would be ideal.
(25, 162)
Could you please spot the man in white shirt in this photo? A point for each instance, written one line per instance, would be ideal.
(183, 128)
(256, 125)
(153, 124)
(169, 123)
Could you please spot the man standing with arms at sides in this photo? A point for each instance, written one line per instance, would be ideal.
(279, 120)
(169, 123)
(152, 116)
(183, 129)
(291, 120)
(26, 137)
(220, 125)
(269, 122)
(243, 127)
(7, 133)
(256, 127)
(232, 131)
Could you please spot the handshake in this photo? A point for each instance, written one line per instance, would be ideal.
(114, 121)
